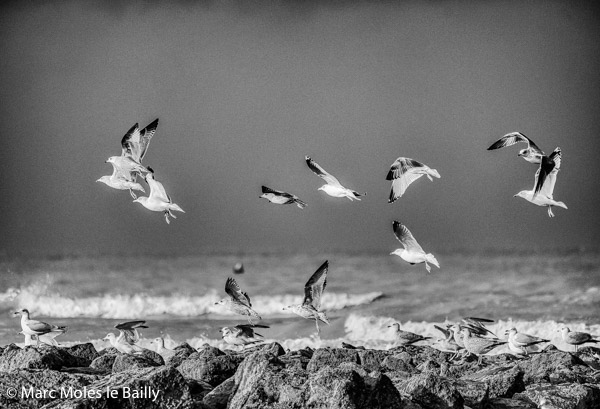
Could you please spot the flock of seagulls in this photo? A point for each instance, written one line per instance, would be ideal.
(128, 166)
(470, 336)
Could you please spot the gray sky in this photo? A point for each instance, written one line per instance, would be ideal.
(244, 90)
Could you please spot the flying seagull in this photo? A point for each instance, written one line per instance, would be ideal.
(122, 180)
(406, 337)
(403, 172)
(545, 195)
(518, 341)
(33, 327)
(531, 154)
(239, 301)
(242, 334)
(158, 200)
(279, 197)
(333, 187)
(412, 251)
(576, 338)
(313, 291)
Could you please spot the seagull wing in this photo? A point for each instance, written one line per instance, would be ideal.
(402, 166)
(400, 185)
(233, 289)
(511, 138)
(547, 165)
(128, 331)
(314, 287)
(405, 237)
(39, 326)
(447, 333)
(145, 135)
(276, 192)
(130, 143)
(320, 172)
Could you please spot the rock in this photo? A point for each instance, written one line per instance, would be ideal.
(431, 391)
(556, 367)
(327, 357)
(474, 393)
(159, 387)
(30, 384)
(83, 354)
(371, 359)
(273, 348)
(564, 396)
(398, 363)
(104, 362)
(181, 353)
(209, 367)
(124, 362)
(502, 382)
(504, 403)
(42, 357)
(152, 356)
(219, 396)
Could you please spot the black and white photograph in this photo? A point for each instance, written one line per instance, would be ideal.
(235, 204)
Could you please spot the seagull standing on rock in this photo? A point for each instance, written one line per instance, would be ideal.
(31, 327)
(406, 337)
(333, 187)
(576, 338)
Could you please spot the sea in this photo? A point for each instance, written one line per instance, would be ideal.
(536, 292)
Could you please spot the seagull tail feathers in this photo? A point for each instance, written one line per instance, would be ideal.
(431, 259)
(174, 206)
(561, 204)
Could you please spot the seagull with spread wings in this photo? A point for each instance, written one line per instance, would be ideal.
(333, 187)
(127, 166)
(313, 291)
(412, 252)
(532, 154)
(158, 200)
(545, 195)
(36, 328)
(128, 337)
(242, 334)
(280, 197)
(405, 171)
(239, 302)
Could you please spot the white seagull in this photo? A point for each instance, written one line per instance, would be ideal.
(128, 336)
(33, 327)
(242, 334)
(158, 200)
(531, 154)
(412, 252)
(279, 197)
(333, 187)
(313, 291)
(163, 351)
(403, 172)
(122, 180)
(576, 338)
(545, 195)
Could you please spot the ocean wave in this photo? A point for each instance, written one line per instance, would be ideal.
(125, 306)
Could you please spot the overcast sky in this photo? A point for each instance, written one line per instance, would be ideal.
(244, 90)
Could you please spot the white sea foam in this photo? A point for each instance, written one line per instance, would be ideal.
(134, 306)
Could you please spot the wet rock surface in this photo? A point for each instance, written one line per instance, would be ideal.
(266, 376)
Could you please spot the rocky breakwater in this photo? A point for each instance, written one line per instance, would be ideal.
(267, 376)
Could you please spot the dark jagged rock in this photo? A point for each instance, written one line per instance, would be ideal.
(431, 391)
(104, 362)
(43, 357)
(182, 352)
(556, 367)
(219, 396)
(398, 363)
(372, 360)
(124, 362)
(83, 353)
(36, 388)
(209, 367)
(327, 357)
(152, 356)
(474, 393)
(563, 396)
(505, 403)
(502, 382)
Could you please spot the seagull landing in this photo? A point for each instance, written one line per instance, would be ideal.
(313, 291)
(333, 187)
(128, 336)
(158, 200)
(33, 327)
(545, 195)
(412, 252)
(403, 172)
(239, 301)
(279, 197)
(242, 334)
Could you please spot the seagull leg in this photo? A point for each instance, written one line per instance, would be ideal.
(171, 214)
(427, 267)
(550, 211)
(132, 194)
(318, 329)
(167, 217)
